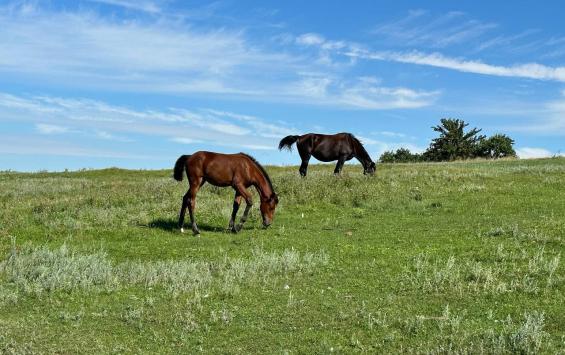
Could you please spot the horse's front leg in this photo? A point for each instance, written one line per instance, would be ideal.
(236, 203)
(248, 204)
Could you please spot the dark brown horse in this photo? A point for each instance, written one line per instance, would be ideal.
(341, 147)
(239, 171)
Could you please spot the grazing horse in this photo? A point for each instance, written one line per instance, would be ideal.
(239, 171)
(341, 147)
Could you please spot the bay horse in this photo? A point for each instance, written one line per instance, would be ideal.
(341, 147)
(240, 171)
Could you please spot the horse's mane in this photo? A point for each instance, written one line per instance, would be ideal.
(262, 170)
(359, 145)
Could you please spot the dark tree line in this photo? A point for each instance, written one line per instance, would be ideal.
(455, 142)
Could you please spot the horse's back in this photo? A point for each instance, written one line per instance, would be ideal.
(218, 168)
(330, 147)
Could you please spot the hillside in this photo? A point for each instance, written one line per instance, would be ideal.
(463, 256)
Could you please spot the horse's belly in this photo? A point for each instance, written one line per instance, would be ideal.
(324, 158)
(218, 180)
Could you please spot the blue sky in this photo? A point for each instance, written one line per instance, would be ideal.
(134, 84)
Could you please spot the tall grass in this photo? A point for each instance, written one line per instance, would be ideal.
(509, 271)
(38, 270)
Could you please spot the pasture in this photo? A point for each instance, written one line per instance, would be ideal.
(461, 257)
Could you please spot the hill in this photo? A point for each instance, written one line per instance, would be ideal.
(441, 257)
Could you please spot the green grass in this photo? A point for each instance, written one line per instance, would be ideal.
(461, 257)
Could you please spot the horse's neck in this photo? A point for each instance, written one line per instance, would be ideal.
(361, 154)
(263, 186)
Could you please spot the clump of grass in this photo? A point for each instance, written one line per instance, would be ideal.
(8, 296)
(508, 271)
(223, 316)
(524, 338)
(515, 232)
(456, 334)
(38, 270)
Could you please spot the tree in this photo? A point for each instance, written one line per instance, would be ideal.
(401, 155)
(494, 147)
(453, 142)
(387, 157)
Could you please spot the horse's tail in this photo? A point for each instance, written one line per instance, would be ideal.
(287, 142)
(179, 167)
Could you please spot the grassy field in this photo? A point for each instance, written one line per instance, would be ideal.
(459, 257)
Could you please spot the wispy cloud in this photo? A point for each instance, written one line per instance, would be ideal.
(102, 121)
(505, 40)
(390, 134)
(173, 56)
(421, 28)
(550, 119)
(44, 128)
(358, 93)
(528, 70)
(138, 5)
(27, 145)
(130, 53)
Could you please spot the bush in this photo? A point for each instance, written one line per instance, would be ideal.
(494, 147)
(401, 155)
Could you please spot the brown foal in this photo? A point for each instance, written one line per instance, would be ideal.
(240, 171)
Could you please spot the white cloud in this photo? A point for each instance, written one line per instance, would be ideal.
(183, 140)
(528, 70)
(139, 5)
(309, 39)
(391, 134)
(26, 145)
(548, 117)
(531, 153)
(358, 94)
(112, 137)
(43, 128)
(374, 97)
(159, 54)
(131, 54)
(229, 128)
(96, 119)
(420, 28)
(225, 143)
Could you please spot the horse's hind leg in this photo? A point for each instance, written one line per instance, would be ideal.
(339, 165)
(185, 202)
(305, 156)
(194, 187)
(303, 168)
(236, 203)
(304, 149)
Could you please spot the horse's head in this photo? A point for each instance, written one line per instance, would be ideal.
(268, 209)
(370, 168)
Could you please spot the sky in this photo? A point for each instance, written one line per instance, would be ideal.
(135, 84)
